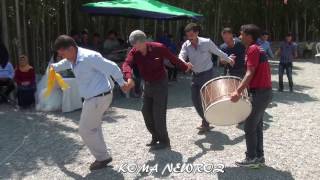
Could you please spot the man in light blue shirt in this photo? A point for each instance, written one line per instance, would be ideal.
(6, 74)
(265, 44)
(92, 73)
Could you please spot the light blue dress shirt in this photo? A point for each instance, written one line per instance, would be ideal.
(7, 71)
(266, 47)
(92, 72)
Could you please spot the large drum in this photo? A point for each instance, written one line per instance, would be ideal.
(217, 106)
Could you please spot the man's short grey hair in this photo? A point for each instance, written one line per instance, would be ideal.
(137, 36)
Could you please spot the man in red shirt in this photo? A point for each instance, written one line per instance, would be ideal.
(258, 82)
(149, 57)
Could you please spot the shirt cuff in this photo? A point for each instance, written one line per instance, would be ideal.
(55, 67)
(120, 82)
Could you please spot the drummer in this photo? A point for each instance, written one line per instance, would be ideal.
(233, 46)
(258, 79)
(198, 51)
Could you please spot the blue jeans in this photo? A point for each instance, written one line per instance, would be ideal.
(288, 68)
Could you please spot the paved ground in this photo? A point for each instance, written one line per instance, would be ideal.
(36, 145)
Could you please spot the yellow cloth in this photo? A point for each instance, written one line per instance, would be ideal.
(52, 78)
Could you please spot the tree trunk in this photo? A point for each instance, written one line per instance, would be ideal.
(141, 24)
(155, 29)
(296, 27)
(66, 13)
(43, 37)
(58, 18)
(25, 33)
(18, 27)
(305, 25)
(5, 34)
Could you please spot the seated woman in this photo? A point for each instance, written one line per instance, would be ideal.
(6, 74)
(54, 101)
(25, 79)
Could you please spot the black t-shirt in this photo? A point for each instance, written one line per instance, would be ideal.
(239, 51)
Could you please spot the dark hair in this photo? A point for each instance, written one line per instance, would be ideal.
(73, 33)
(4, 55)
(192, 27)
(85, 31)
(265, 33)
(96, 34)
(252, 30)
(227, 30)
(289, 34)
(64, 41)
(112, 32)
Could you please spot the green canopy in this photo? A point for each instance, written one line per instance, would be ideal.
(139, 8)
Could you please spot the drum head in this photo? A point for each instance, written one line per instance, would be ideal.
(225, 112)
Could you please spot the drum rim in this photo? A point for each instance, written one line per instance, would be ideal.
(242, 98)
(220, 77)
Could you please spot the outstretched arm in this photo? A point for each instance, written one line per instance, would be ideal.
(215, 50)
(174, 60)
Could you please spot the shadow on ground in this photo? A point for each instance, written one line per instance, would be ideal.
(298, 96)
(107, 173)
(216, 141)
(29, 140)
(247, 173)
(162, 159)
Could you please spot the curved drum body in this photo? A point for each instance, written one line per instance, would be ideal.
(217, 106)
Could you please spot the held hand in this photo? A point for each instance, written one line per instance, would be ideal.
(232, 62)
(125, 88)
(232, 57)
(131, 83)
(190, 66)
(224, 62)
(235, 96)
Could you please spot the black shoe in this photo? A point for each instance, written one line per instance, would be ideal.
(291, 90)
(152, 143)
(160, 146)
(251, 163)
(203, 129)
(100, 164)
(261, 160)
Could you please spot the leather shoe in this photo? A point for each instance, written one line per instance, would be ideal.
(160, 146)
(152, 143)
(100, 164)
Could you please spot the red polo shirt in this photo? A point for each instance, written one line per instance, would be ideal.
(151, 66)
(257, 58)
